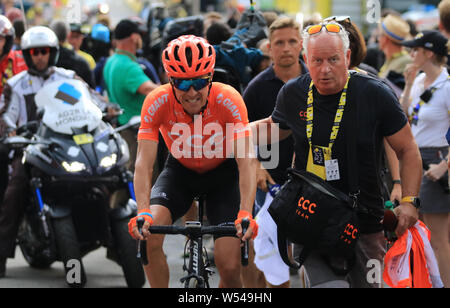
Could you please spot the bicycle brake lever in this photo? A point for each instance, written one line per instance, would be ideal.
(244, 249)
(141, 245)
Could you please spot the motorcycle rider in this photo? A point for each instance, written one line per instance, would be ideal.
(40, 48)
(11, 63)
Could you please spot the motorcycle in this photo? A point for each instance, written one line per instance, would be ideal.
(76, 164)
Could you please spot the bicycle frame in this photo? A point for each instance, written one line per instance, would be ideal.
(196, 267)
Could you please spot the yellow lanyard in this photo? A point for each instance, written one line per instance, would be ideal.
(337, 118)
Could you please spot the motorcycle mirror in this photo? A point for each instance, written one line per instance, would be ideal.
(17, 142)
(134, 122)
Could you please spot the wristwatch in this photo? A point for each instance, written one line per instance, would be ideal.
(413, 200)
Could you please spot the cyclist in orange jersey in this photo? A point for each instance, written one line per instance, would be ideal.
(205, 127)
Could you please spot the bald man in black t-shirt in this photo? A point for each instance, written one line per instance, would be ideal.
(378, 115)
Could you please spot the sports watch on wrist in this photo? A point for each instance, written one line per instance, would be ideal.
(413, 200)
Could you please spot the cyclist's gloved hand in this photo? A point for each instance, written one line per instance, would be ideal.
(132, 225)
(253, 225)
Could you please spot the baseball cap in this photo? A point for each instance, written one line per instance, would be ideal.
(126, 27)
(100, 32)
(432, 40)
(75, 27)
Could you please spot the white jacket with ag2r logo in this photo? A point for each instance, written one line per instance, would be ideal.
(18, 96)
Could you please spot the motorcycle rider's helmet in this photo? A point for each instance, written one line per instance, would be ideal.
(7, 31)
(188, 56)
(40, 36)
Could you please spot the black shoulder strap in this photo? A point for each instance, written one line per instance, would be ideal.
(351, 141)
(283, 247)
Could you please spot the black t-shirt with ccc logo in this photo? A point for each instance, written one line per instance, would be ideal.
(378, 115)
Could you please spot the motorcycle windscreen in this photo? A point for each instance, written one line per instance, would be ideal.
(68, 104)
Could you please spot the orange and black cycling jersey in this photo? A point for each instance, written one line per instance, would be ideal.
(202, 142)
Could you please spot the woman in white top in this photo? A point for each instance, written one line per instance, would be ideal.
(426, 100)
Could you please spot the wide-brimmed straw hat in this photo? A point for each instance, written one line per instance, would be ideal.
(395, 28)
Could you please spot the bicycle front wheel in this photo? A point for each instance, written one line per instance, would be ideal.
(195, 283)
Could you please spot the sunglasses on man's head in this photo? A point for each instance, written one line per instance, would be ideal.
(338, 19)
(330, 27)
(39, 50)
(186, 84)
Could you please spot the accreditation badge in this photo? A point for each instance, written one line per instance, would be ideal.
(316, 160)
(332, 170)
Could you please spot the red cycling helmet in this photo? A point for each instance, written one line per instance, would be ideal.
(188, 56)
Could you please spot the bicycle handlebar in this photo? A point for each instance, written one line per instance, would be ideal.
(194, 230)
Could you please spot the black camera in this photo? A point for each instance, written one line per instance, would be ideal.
(426, 95)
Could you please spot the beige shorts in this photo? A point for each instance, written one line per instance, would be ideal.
(367, 271)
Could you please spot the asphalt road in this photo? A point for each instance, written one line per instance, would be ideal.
(101, 272)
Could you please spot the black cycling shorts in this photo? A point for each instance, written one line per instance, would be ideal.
(177, 186)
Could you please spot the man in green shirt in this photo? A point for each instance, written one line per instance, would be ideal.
(126, 82)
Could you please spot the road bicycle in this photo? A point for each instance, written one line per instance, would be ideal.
(197, 265)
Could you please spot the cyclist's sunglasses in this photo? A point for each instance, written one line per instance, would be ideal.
(39, 50)
(330, 27)
(186, 84)
(338, 19)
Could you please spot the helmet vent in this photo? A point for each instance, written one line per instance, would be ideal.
(200, 49)
(188, 53)
(175, 53)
